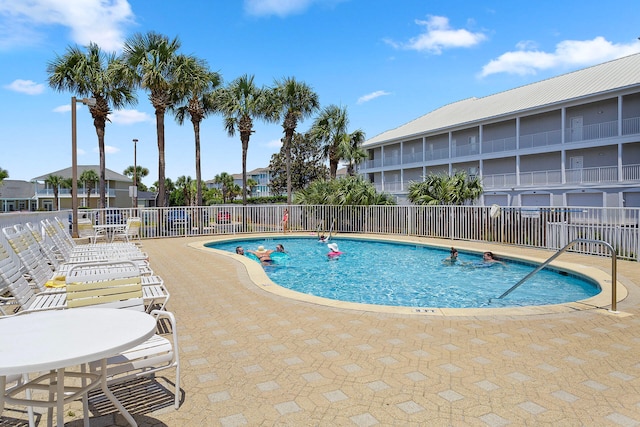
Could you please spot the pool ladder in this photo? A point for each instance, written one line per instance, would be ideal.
(614, 274)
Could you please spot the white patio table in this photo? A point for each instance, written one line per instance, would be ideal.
(58, 339)
(109, 229)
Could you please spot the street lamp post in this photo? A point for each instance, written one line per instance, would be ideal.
(74, 162)
(135, 175)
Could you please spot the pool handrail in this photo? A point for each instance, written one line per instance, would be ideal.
(614, 274)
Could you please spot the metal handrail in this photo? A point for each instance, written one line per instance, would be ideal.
(614, 273)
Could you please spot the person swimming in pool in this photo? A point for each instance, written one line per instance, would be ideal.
(264, 255)
(239, 250)
(488, 260)
(280, 248)
(334, 252)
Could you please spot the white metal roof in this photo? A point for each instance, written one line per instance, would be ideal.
(616, 74)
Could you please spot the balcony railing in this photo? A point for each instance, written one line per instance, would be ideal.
(437, 154)
(591, 132)
(498, 145)
(630, 126)
(66, 192)
(411, 158)
(600, 175)
(467, 150)
(541, 139)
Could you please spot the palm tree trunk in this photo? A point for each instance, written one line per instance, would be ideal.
(196, 131)
(288, 136)
(100, 130)
(244, 138)
(161, 163)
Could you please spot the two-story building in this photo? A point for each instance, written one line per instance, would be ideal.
(117, 190)
(571, 140)
(261, 175)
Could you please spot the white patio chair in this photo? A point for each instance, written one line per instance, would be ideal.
(87, 230)
(131, 231)
(156, 354)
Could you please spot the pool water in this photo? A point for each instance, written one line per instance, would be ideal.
(398, 274)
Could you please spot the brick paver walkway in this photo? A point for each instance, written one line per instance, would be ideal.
(253, 358)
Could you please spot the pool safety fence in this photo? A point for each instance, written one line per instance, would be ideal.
(537, 227)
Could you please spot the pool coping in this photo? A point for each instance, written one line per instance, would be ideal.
(259, 277)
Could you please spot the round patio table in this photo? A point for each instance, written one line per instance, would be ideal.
(58, 339)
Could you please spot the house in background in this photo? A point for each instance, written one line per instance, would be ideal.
(16, 195)
(571, 140)
(261, 175)
(117, 190)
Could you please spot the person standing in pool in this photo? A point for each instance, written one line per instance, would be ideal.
(280, 248)
(239, 250)
(453, 257)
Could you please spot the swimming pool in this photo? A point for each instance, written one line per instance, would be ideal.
(410, 275)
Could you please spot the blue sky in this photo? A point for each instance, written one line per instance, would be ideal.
(387, 62)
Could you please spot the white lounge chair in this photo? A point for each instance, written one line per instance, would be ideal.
(44, 280)
(12, 280)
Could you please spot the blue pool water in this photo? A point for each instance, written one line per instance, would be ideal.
(411, 275)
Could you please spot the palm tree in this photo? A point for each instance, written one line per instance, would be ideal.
(183, 183)
(348, 191)
(240, 103)
(88, 178)
(91, 73)
(151, 61)
(251, 185)
(350, 150)
(55, 182)
(442, 189)
(4, 174)
(141, 172)
(295, 101)
(226, 181)
(194, 85)
(330, 128)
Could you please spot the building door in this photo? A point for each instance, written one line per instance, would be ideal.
(576, 129)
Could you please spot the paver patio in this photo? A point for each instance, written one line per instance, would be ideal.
(253, 358)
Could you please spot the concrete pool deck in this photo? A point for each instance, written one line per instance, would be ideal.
(252, 357)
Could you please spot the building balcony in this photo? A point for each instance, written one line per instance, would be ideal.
(66, 193)
(599, 175)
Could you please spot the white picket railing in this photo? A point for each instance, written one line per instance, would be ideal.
(538, 227)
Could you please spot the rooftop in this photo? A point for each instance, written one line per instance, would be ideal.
(250, 357)
(598, 79)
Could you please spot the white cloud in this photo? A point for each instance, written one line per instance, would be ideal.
(274, 143)
(98, 21)
(372, 95)
(67, 107)
(81, 152)
(129, 117)
(108, 149)
(568, 54)
(282, 8)
(62, 109)
(26, 86)
(439, 36)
